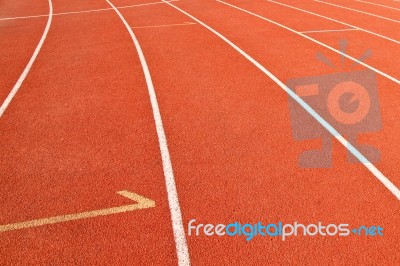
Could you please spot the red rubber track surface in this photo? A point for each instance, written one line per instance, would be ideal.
(377, 25)
(81, 128)
(369, 8)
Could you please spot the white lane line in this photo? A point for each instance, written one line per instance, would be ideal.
(165, 25)
(375, 4)
(358, 11)
(142, 203)
(385, 181)
(28, 67)
(87, 11)
(312, 31)
(316, 41)
(335, 20)
(174, 207)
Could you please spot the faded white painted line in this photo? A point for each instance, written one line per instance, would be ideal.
(165, 25)
(375, 4)
(87, 11)
(335, 20)
(174, 207)
(358, 11)
(28, 67)
(312, 31)
(317, 42)
(385, 181)
(142, 203)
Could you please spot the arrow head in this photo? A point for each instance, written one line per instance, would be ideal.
(142, 202)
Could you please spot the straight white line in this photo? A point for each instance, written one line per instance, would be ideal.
(86, 11)
(175, 210)
(385, 181)
(34, 16)
(358, 11)
(146, 4)
(311, 31)
(318, 42)
(375, 4)
(335, 20)
(28, 67)
(165, 25)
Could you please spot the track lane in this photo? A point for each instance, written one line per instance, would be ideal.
(388, 90)
(232, 164)
(76, 5)
(228, 159)
(393, 3)
(368, 8)
(80, 130)
(173, 201)
(377, 25)
(360, 41)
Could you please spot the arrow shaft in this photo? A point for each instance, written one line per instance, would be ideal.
(143, 203)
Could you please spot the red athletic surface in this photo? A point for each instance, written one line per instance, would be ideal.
(81, 128)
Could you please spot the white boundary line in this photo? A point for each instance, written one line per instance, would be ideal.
(28, 67)
(335, 20)
(165, 25)
(86, 11)
(175, 210)
(317, 42)
(358, 11)
(312, 31)
(375, 4)
(385, 181)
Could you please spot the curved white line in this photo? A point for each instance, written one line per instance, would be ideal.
(28, 67)
(175, 210)
(375, 171)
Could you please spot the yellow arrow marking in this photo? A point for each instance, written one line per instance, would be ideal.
(142, 203)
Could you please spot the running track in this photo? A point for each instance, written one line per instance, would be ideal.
(184, 109)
